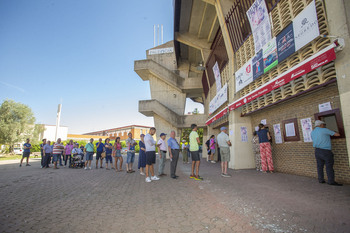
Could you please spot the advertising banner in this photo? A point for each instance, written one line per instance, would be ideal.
(270, 55)
(305, 26)
(258, 17)
(244, 75)
(258, 65)
(219, 99)
(285, 43)
(217, 75)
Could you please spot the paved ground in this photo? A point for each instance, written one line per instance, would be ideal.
(77, 200)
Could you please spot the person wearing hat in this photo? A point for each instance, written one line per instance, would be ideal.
(162, 154)
(224, 144)
(323, 151)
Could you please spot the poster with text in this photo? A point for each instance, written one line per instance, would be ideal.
(270, 55)
(217, 75)
(258, 17)
(219, 99)
(244, 134)
(244, 75)
(306, 126)
(285, 43)
(258, 65)
(278, 133)
(305, 26)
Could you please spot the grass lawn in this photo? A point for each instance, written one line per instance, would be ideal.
(10, 157)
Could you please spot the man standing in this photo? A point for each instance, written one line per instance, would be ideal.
(42, 153)
(89, 151)
(224, 144)
(47, 151)
(99, 149)
(130, 154)
(150, 144)
(26, 152)
(194, 149)
(162, 154)
(57, 151)
(174, 149)
(323, 151)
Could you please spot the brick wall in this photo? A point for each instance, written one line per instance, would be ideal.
(298, 157)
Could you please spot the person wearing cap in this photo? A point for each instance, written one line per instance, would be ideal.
(150, 145)
(174, 150)
(162, 154)
(194, 149)
(224, 144)
(142, 155)
(321, 137)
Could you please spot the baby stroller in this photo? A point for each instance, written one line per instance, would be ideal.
(77, 161)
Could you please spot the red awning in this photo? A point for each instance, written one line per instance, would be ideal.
(217, 116)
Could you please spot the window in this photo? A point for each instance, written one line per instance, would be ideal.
(291, 130)
(333, 121)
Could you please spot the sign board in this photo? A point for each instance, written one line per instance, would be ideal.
(244, 75)
(219, 99)
(270, 55)
(285, 43)
(217, 76)
(160, 51)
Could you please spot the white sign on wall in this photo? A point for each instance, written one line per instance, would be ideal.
(217, 75)
(160, 51)
(244, 75)
(306, 126)
(305, 26)
(219, 99)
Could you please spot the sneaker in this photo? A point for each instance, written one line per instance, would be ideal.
(142, 174)
(20, 165)
(27, 164)
(336, 184)
(85, 168)
(198, 178)
(154, 178)
(89, 168)
(148, 179)
(213, 161)
(192, 177)
(226, 175)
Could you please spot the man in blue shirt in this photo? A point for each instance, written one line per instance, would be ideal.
(174, 150)
(26, 152)
(323, 151)
(99, 149)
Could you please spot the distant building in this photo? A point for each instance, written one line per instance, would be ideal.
(122, 132)
(80, 137)
(50, 131)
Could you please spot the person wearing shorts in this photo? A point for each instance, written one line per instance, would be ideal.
(150, 145)
(57, 152)
(89, 150)
(108, 147)
(100, 147)
(117, 150)
(26, 152)
(194, 149)
(130, 155)
(224, 144)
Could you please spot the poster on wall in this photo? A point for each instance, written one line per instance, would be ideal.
(219, 99)
(244, 134)
(270, 55)
(244, 75)
(258, 65)
(285, 43)
(306, 126)
(290, 129)
(305, 26)
(324, 107)
(217, 75)
(278, 133)
(258, 17)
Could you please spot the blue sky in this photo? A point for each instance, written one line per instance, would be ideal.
(79, 53)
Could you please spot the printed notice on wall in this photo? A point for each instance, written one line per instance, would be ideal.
(217, 75)
(306, 125)
(290, 130)
(263, 121)
(278, 133)
(324, 107)
(244, 134)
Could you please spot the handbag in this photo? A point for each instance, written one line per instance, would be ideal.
(103, 155)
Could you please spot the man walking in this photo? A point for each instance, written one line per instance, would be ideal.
(130, 155)
(26, 152)
(194, 149)
(89, 153)
(162, 154)
(57, 152)
(224, 143)
(174, 149)
(323, 151)
(99, 149)
(150, 145)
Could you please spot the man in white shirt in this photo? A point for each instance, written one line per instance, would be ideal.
(162, 154)
(150, 145)
(224, 143)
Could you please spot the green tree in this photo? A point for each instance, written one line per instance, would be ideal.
(16, 123)
(38, 130)
(195, 111)
(186, 133)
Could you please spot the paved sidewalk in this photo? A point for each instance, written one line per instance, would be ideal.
(97, 200)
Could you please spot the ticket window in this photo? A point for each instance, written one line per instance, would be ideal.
(333, 121)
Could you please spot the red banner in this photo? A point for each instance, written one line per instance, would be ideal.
(319, 59)
(217, 116)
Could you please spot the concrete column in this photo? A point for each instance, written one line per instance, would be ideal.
(338, 14)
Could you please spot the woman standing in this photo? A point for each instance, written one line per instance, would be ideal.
(265, 148)
(108, 147)
(142, 155)
(67, 152)
(212, 148)
(118, 154)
